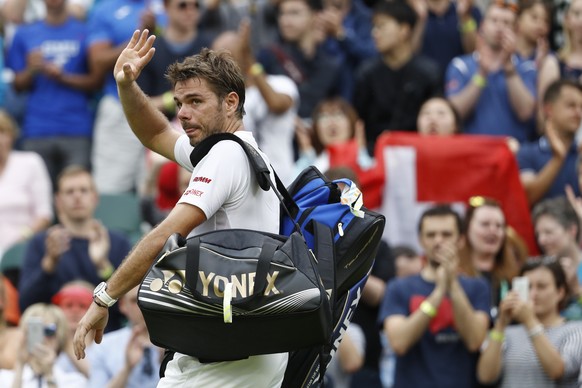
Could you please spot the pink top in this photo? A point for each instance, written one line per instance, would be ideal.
(25, 195)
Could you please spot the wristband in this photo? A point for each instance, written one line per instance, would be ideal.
(512, 71)
(496, 335)
(479, 80)
(256, 69)
(168, 101)
(26, 232)
(469, 26)
(106, 272)
(428, 309)
(536, 330)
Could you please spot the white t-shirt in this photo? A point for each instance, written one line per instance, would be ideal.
(224, 187)
(274, 132)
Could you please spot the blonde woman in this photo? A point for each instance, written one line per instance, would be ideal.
(36, 364)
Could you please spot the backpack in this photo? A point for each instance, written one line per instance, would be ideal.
(315, 204)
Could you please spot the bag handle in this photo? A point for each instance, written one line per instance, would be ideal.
(257, 164)
(193, 265)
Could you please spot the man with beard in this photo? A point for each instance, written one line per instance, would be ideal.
(494, 90)
(209, 91)
(437, 320)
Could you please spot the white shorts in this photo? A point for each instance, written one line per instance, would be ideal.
(265, 371)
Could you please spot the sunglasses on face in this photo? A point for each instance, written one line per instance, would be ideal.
(183, 5)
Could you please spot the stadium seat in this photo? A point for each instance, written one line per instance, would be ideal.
(122, 213)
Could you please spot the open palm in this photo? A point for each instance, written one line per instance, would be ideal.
(138, 52)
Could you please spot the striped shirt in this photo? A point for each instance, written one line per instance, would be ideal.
(521, 367)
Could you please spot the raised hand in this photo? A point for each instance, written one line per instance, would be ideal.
(136, 55)
(303, 135)
(464, 8)
(248, 58)
(448, 258)
(35, 61)
(360, 133)
(57, 242)
(134, 351)
(508, 42)
(558, 147)
(99, 244)
(488, 61)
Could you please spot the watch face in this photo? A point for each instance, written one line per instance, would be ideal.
(99, 288)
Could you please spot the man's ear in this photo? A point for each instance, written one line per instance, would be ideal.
(231, 102)
(547, 110)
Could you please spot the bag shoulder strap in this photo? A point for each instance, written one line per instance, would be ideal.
(258, 165)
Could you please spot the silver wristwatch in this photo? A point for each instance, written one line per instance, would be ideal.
(101, 297)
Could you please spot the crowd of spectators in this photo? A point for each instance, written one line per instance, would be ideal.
(320, 73)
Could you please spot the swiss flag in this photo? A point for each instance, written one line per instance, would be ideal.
(413, 172)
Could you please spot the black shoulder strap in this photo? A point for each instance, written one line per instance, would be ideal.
(257, 164)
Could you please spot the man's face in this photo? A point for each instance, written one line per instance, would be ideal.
(387, 33)
(552, 237)
(295, 19)
(199, 110)
(77, 198)
(436, 232)
(497, 22)
(183, 14)
(566, 112)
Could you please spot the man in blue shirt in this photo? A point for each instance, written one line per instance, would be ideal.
(79, 247)
(549, 164)
(437, 320)
(50, 62)
(492, 89)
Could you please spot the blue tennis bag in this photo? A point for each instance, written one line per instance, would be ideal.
(328, 212)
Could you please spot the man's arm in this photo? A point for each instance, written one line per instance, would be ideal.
(521, 99)
(537, 185)
(35, 284)
(182, 219)
(472, 325)
(465, 101)
(404, 332)
(149, 124)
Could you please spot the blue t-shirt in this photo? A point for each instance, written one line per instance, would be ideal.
(493, 114)
(54, 109)
(439, 358)
(535, 155)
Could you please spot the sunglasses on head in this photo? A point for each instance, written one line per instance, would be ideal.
(187, 4)
(478, 201)
(508, 4)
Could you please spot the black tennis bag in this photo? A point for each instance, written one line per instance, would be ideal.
(345, 247)
(230, 294)
(274, 289)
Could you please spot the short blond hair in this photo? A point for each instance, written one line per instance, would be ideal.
(74, 170)
(8, 125)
